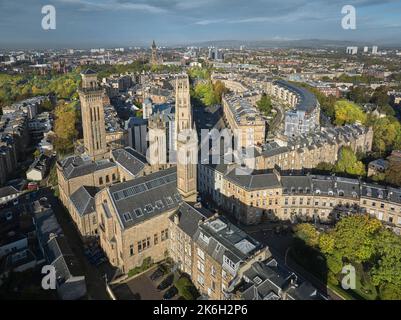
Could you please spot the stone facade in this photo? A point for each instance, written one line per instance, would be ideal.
(91, 97)
(244, 120)
(265, 196)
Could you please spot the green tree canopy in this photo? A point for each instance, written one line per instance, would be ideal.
(65, 126)
(265, 104)
(348, 112)
(348, 163)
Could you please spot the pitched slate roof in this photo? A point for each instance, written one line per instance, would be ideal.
(60, 255)
(77, 166)
(255, 180)
(146, 197)
(130, 160)
(189, 218)
(8, 191)
(83, 199)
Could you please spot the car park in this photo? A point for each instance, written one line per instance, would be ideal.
(170, 293)
(166, 282)
(156, 275)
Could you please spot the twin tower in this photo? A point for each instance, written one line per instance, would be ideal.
(185, 141)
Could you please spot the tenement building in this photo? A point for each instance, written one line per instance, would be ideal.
(305, 115)
(244, 120)
(306, 151)
(266, 195)
(211, 250)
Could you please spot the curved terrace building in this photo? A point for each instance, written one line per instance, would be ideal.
(305, 115)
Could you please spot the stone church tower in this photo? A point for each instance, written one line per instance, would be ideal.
(183, 110)
(154, 59)
(157, 151)
(186, 141)
(91, 97)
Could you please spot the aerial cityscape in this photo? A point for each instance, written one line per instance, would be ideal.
(198, 150)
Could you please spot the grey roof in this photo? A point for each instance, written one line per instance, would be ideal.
(269, 280)
(306, 100)
(47, 225)
(314, 139)
(84, 199)
(189, 218)
(255, 180)
(296, 184)
(225, 239)
(59, 254)
(130, 160)
(77, 166)
(145, 197)
(8, 191)
(88, 71)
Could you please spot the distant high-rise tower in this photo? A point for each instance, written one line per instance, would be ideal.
(91, 97)
(374, 49)
(186, 141)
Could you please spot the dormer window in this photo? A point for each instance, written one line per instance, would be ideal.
(229, 263)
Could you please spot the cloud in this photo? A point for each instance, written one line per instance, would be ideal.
(112, 5)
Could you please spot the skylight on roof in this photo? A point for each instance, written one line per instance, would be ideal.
(148, 208)
(245, 246)
(169, 201)
(127, 216)
(257, 280)
(217, 225)
(159, 204)
(138, 212)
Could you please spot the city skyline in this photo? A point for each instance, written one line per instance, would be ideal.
(86, 23)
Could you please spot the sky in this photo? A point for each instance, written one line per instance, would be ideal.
(105, 23)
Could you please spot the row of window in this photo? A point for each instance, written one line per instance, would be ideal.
(107, 178)
(145, 244)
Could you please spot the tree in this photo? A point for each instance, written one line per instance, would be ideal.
(359, 95)
(64, 128)
(393, 173)
(265, 104)
(354, 237)
(386, 134)
(388, 267)
(219, 89)
(380, 97)
(204, 91)
(324, 166)
(348, 163)
(308, 233)
(348, 112)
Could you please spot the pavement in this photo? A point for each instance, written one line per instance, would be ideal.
(140, 287)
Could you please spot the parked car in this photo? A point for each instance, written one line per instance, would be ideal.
(170, 293)
(156, 275)
(166, 282)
